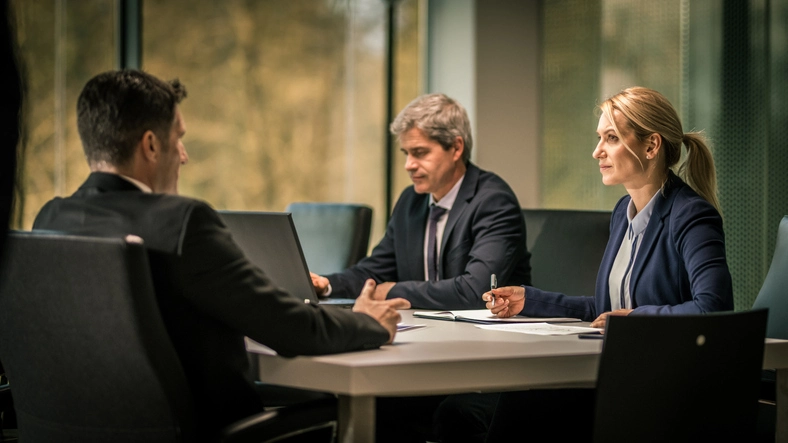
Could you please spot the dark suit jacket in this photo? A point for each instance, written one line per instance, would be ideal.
(680, 268)
(209, 294)
(484, 234)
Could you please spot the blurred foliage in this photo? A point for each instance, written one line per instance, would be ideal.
(59, 54)
(286, 97)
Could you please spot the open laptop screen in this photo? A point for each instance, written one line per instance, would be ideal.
(269, 240)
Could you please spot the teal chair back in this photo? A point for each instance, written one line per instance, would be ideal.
(333, 236)
(774, 292)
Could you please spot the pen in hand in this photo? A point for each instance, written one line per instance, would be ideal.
(493, 285)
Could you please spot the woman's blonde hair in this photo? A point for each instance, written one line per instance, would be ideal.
(648, 112)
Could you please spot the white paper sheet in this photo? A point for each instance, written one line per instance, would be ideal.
(540, 329)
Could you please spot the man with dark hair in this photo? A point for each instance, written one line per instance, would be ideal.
(449, 232)
(209, 294)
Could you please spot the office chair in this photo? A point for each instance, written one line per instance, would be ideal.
(7, 414)
(772, 296)
(333, 236)
(88, 356)
(566, 248)
(680, 378)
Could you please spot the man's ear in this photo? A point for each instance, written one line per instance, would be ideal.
(459, 148)
(150, 146)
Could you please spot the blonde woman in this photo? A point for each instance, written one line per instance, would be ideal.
(666, 253)
(665, 256)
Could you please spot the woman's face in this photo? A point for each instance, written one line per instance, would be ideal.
(619, 165)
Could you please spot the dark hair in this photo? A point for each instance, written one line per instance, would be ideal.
(115, 109)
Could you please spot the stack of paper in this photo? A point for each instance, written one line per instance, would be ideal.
(485, 316)
(541, 329)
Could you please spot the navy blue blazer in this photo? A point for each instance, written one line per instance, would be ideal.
(484, 234)
(680, 269)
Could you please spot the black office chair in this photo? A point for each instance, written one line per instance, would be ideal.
(333, 236)
(680, 378)
(566, 248)
(7, 413)
(87, 354)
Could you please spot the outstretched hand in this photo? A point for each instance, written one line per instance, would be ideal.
(320, 283)
(384, 311)
(505, 302)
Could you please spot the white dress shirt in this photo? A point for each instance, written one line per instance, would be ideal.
(143, 187)
(446, 202)
(621, 273)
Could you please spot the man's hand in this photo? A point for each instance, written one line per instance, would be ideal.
(382, 290)
(384, 311)
(509, 300)
(320, 283)
(602, 319)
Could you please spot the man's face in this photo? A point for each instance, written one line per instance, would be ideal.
(173, 155)
(431, 168)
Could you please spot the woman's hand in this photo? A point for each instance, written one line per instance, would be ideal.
(505, 302)
(602, 319)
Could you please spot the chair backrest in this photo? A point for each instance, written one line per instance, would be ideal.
(774, 292)
(680, 378)
(333, 236)
(566, 248)
(84, 346)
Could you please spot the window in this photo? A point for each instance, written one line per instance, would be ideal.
(62, 45)
(286, 97)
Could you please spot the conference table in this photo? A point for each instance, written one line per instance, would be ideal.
(447, 357)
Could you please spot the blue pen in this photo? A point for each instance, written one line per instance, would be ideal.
(493, 285)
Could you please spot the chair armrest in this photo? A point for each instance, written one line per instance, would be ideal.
(769, 385)
(283, 422)
(5, 397)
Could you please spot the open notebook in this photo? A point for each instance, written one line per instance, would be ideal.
(485, 316)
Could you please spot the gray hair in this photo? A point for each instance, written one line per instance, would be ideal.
(440, 118)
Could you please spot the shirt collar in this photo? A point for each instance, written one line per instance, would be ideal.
(448, 200)
(143, 187)
(639, 222)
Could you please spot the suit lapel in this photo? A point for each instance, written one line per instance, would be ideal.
(464, 195)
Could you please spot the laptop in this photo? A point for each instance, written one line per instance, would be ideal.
(270, 241)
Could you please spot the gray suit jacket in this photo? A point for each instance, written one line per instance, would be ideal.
(484, 234)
